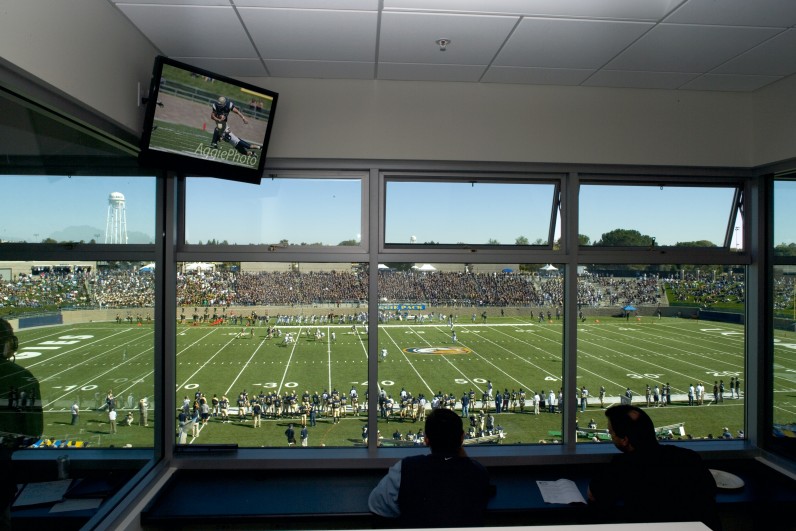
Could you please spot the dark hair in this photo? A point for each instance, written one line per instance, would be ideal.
(632, 422)
(444, 430)
(7, 334)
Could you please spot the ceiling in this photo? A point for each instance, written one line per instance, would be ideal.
(723, 45)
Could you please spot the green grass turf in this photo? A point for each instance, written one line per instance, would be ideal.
(89, 359)
(178, 138)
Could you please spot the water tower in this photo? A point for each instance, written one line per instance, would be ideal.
(116, 222)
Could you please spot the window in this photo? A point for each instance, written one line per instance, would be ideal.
(669, 338)
(483, 339)
(286, 212)
(470, 212)
(619, 215)
(783, 317)
(784, 223)
(86, 334)
(267, 348)
(78, 209)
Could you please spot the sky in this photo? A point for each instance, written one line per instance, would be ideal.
(330, 210)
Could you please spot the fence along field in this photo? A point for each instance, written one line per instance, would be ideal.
(84, 361)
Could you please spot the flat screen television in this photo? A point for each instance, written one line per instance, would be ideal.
(202, 123)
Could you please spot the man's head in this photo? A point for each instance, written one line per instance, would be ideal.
(631, 428)
(8, 341)
(444, 431)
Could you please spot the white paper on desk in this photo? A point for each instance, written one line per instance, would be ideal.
(560, 491)
(44, 492)
(76, 504)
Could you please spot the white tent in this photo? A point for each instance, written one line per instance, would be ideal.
(199, 266)
(424, 267)
(148, 267)
(382, 266)
(549, 267)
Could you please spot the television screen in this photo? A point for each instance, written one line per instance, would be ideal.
(201, 123)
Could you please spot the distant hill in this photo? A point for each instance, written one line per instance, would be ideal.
(86, 233)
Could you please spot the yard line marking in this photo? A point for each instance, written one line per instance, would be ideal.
(207, 361)
(411, 365)
(287, 363)
(73, 349)
(524, 385)
(96, 377)
(245, 365)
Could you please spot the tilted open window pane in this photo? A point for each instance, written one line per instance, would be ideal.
(269, 345)
(482, 339)
(85, 210)
(659, 215)
(666, 338)
(281, 211)
(468, 212)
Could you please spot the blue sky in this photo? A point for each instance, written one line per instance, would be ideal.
(43, 206)
(329, 210)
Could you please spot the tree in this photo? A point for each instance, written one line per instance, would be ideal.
(698, 243)
(492, 241)
(583, 239)
(785, 249)
(349, 243)
(625, 238)
(521, 240)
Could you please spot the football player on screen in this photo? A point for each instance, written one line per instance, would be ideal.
(219, 113)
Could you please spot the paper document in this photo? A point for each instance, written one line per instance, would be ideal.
(560, 491)
(41, 493)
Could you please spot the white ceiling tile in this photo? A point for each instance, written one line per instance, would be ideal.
(648, 10)
(428, 72)
(186, 30)
(321, 69)
(567, 43)
(774, 13)
(648, 80)
(687, 48)
(235, 68)
(535, 76)
(729, 82)
(622, 43)
(176, 2)
(356, 5)
(410, 38)
(774, 57)
(312, 35)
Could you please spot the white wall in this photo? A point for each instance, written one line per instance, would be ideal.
(490, 122)
(775, 122)
(88, 50)
(84, 48)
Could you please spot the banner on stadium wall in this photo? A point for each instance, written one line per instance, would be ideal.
(41, 320)
(402, 307)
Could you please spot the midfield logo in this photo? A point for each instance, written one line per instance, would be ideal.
(437, 350)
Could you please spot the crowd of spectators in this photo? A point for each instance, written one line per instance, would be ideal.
(136, 289)
(704, 293)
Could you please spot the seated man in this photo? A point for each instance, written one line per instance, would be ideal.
(629, 489)
(416, 489)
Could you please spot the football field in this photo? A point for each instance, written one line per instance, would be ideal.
(84, 362)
